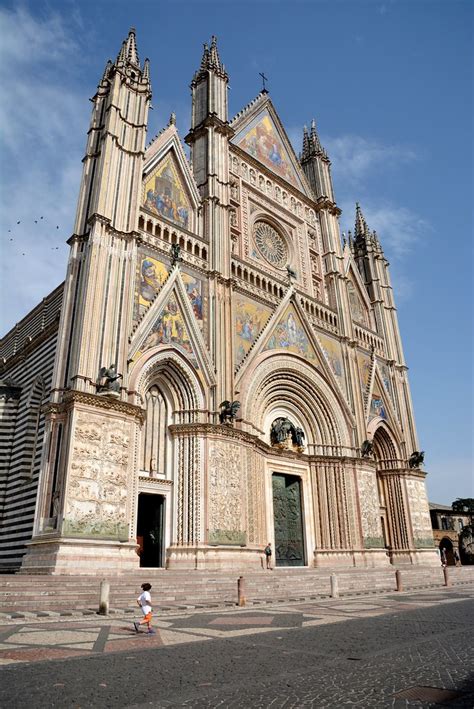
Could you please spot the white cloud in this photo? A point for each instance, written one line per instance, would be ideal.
(398, 227)
(354, 157)
(44, 120)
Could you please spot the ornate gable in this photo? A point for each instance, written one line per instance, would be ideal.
(171, 322)
(169, 189)
(259, 133)
(359, 302)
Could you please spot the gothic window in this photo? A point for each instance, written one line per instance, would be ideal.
(155, 432)
(444, 523)
(270, 244)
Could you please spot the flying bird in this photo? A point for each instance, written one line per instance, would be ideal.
(18, 222)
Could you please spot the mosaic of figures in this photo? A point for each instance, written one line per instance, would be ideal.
(262, 141)
(151, 276)
(385, 374)
(164, 193)
(377, 405)
(365, 365)
(358, 310)
(333, 352)
(249, 320)
(289, 335)
(169, 329)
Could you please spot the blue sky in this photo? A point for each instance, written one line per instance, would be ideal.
(389, 83)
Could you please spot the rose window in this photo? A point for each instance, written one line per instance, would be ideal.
(270, 244)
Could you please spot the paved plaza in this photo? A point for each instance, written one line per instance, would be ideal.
(394, 650)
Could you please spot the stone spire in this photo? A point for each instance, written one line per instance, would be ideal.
(146, 70)
(131, 41)
(361, 229)
(210, 61)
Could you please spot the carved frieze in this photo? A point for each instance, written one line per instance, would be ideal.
(369, 509)
(96, 503)
(419, 512)
(226, 520)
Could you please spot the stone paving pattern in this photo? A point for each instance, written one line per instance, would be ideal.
(327, 653)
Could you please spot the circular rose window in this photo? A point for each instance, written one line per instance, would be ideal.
(270, 244)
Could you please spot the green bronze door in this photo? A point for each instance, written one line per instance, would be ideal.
(288, 518)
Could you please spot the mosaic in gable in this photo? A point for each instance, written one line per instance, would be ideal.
(249, 320)
(165, 195)
(289, 335)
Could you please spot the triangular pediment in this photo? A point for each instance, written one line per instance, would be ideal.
(260, 133)
(152, 272)
(359, 302)
(289, 334)
(383, 372)
(380, 405)
(171, 322)
(287, 331)
(169, 189)
(250, 318)
(365, 367)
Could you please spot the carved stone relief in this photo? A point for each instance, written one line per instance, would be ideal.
(369, 509)
(226, 494)
(96, 504)
(420, 516)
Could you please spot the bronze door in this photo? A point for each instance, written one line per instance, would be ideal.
(288, 518)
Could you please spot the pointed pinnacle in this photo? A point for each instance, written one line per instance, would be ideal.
(172, 120)
(205, 57)
(132, 54)
(305, 151)
(361, 228)
(214, 54)
(146, 70)
(315, 144)
(122, 55)
(107, 69)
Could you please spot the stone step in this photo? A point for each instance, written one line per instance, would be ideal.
(198, 588)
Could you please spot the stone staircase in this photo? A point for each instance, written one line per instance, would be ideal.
(42, 596)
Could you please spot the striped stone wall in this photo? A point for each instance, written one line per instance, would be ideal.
(27, 355)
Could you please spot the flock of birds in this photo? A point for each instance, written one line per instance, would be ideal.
(36, 221)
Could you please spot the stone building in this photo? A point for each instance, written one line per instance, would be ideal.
(448, 527)
(192, 285)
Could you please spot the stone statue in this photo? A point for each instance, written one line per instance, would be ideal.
(367, 448)
(108, 381)
(175, 254)
(416, 459)
(291, 273)
(282, 429)
(228, 411)
(298, 436)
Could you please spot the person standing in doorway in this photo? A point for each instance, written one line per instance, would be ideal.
(457, 559)
(444, 560)
(144, 601)
(268, 555)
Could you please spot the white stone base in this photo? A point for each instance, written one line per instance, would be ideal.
(66, 556)
(358, 558)
(215, 558)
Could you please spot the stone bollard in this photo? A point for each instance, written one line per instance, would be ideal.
(398, 579)
(241, 591)
(104, 597)
(334, 586)
(447, 580)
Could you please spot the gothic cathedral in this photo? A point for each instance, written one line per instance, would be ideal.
(218, 370)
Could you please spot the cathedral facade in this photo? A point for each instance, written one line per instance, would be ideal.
(219, 369)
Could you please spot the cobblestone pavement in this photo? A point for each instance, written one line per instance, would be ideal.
(360, 651)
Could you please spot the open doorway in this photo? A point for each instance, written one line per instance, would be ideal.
(150, 526)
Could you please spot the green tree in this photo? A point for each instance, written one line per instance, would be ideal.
(464, 505)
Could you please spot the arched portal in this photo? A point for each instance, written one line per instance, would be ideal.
(446, 550)
(169, 466)
(389, 488)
